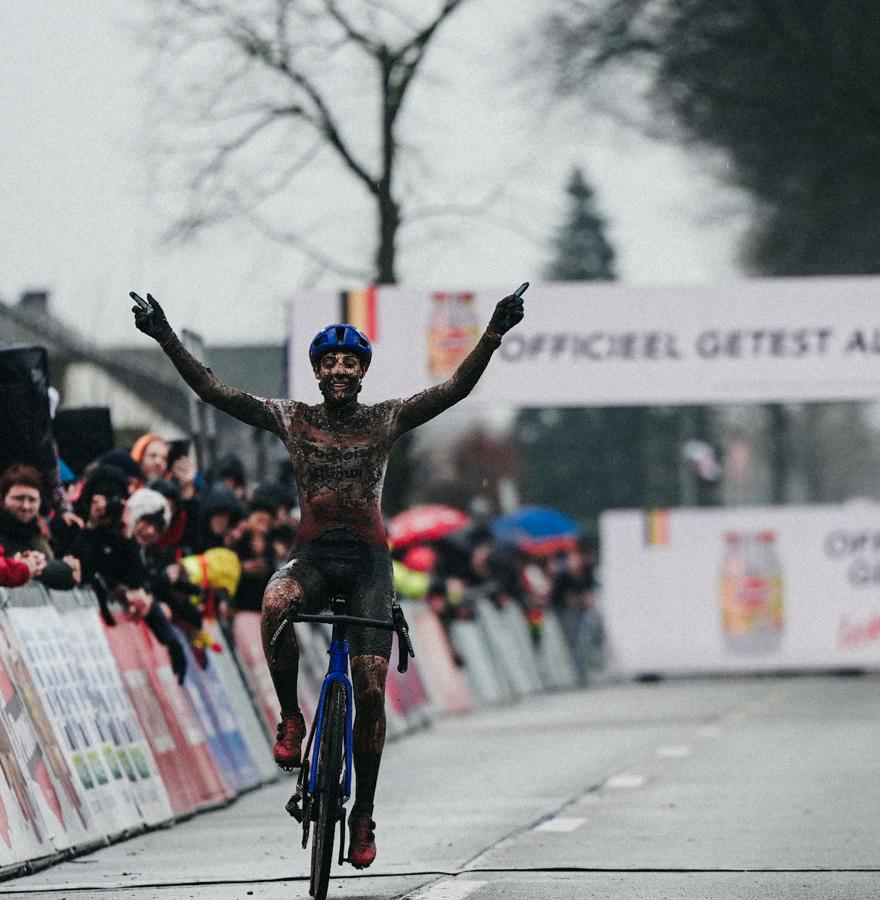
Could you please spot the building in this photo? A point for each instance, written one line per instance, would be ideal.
(143, 391)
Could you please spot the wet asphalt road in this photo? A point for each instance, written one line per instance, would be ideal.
(692, 789)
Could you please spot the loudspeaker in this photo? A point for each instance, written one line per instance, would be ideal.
(82, 434)
(25, 430)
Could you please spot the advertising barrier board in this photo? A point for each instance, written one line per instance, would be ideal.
(742, 589)
(51, 661)
(114, 716)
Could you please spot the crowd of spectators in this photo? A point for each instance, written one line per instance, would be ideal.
(159, 542)
(154, 539)
(471, 563)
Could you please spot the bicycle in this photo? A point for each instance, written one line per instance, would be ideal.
(324, 784)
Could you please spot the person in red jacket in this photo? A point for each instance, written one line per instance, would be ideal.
(21, 568)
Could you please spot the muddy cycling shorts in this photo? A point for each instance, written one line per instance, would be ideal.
(340, 565)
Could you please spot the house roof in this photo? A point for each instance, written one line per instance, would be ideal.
(144, 369)
(256, 368)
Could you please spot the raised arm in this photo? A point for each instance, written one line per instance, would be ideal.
(238, 404)
(424, 406)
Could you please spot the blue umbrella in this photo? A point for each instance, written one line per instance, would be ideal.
(537, 529)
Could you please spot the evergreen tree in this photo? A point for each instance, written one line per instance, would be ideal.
(582, 252)
(586, 460)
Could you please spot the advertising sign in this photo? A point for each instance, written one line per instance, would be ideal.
(51, 657)
(599, 344)
(742, 589)
(113, 713)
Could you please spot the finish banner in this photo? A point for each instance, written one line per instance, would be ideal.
(741, 589)
(601, 344)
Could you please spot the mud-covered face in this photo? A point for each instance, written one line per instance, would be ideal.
(339, 377)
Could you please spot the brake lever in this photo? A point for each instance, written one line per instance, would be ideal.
(404, 644)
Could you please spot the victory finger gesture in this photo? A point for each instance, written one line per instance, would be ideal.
(508, 312)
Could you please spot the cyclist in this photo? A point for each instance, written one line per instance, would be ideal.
(339, 450)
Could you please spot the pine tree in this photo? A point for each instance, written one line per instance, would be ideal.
(582, 252)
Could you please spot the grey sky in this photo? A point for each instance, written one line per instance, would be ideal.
(77, 212)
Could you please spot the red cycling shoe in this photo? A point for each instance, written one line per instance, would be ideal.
(288, 744)
(362, 840)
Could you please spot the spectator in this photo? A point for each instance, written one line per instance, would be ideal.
(281, 540)
(250, 542)
(23, 531)
(220, 511)
(172, 539)
(20, 528)
(150, 451)
(122, 460)
(112, 562)
(573, 598)
(279, 498)
(184, 476)
(229, 471)
(148, 516)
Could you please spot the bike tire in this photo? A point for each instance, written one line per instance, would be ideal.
(328, 789)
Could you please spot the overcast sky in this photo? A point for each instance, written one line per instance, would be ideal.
(75, 196)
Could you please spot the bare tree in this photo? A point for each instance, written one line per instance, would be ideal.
(269, 89)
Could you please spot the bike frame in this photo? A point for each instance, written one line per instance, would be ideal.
(337, 670)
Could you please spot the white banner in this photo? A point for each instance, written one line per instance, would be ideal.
(742, 589)
(600, 344)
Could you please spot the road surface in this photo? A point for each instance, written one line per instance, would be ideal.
(692, 788)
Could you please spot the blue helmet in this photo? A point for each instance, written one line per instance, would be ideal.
(342, 337)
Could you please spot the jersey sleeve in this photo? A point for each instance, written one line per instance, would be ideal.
(424, 406)
(240, 405)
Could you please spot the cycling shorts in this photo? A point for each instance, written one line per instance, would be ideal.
(340, 565)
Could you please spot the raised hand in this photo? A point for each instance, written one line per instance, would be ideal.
(508, 312)
(152, 321)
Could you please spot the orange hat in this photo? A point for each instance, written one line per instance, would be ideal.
(139, 447)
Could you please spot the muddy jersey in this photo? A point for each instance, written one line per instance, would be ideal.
(339, 455)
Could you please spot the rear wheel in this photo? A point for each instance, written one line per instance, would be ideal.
(328, 789)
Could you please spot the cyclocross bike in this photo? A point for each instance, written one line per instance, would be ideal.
(324, 784)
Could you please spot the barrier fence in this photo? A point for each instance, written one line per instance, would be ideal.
(98, 741)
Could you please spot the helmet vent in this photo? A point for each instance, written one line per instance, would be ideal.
(340, 334)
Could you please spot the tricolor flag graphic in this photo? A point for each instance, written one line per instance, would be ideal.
(359, 308)
(657, 527)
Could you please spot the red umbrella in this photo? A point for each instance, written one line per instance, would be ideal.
(425, 523)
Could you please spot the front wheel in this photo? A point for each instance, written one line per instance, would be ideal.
(328, 789)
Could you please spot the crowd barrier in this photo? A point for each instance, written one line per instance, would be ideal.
(99, 741)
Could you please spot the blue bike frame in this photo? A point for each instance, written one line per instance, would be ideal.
(337, 671)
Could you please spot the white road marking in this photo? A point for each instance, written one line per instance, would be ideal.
(676, 751)
(561, 823)
(449, 890)
(625, 782)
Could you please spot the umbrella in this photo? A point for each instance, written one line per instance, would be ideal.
(540, 530)
(425, 523)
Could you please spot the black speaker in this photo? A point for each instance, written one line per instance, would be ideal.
(25, 430)
(82, 434)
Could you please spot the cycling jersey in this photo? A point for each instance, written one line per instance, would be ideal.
(339, 454)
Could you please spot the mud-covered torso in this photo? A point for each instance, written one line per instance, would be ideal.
(340, 462)
(339, 457)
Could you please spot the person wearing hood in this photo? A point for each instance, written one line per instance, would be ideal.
(111, 557)
(147, 517)
(220, 511)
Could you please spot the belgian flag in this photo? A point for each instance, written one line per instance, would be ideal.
(657, 528)
(359, 308)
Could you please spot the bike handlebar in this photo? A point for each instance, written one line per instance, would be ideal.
(398, 624)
